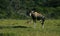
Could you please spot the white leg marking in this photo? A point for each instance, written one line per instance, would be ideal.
(34, 25)
(43, 26)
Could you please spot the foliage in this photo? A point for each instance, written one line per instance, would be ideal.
(15, 8)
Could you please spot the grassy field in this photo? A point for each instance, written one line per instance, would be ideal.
(12, 27)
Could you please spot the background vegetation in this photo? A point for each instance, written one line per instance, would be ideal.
(16, 9)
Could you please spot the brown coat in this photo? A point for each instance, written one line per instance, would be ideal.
(37, 14)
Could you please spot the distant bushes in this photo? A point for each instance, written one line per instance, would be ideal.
(17, 9)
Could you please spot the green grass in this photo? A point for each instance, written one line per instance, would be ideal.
(12, 27)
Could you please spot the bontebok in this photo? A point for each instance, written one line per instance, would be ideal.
(37, 17)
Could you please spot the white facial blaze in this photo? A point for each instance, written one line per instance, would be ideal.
(30, 14)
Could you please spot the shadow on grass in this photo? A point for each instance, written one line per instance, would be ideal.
(58, 24)
(20, 27)
(1, 27)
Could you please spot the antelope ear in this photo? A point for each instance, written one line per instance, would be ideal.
(32, 11)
